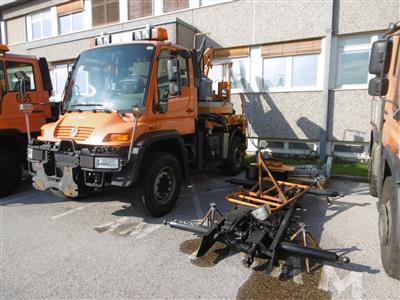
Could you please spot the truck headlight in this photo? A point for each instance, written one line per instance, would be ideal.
(30, 153)
(106, 162)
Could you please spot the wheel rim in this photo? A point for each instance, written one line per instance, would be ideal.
(237, 158)
(164, 185)
(384, 224)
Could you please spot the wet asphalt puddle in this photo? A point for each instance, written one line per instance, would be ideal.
(286, 281)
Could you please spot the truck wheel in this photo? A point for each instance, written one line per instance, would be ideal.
(373, 181)
(389, 228)
(157, 189)
(234, 163)
(10, 172)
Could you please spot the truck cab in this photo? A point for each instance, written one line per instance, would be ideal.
(384, 165)
(19, 72)
(137, 115)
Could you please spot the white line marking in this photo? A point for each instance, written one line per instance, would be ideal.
(131, 230)
(72, 211)
(111, 226)
(146, 231)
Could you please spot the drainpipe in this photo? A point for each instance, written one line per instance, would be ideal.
(326, 82)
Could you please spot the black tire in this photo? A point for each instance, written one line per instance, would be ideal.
(10, 172)
(233, 165)
(157, 189)
(373, 181)
(389, 228)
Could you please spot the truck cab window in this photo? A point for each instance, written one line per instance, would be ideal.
(15, 69)
(162, 75)
(183, 71)
(2, 79)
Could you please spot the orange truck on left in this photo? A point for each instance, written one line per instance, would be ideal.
(36, 90)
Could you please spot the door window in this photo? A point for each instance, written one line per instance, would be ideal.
(16, 69)
(183, 71)
(2, 79)
(162, 75)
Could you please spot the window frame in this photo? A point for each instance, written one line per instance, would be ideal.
(128, 4)
(71, 27)
(340, 48)
(289, 75)
(5, 79)
(30, 23)
(234, 60)
(105, 9)
(6, 75)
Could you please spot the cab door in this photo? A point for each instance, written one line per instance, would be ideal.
(11, 117)
(391, 125)
(179, 111)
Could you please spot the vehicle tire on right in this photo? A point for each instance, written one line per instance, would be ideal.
(10, 172)
(389, 227)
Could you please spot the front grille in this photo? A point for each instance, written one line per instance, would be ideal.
(67, 132)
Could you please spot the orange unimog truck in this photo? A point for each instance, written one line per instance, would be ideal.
(23, 79)
(384, 167)
(138, 115)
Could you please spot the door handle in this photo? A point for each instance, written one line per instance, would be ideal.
(189, 110)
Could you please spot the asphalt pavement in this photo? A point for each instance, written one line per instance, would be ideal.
(101, 248)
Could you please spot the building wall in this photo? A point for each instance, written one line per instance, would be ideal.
(361, 16)
(287, 115)
(295, 115)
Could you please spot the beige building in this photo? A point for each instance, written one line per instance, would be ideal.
(301, 67)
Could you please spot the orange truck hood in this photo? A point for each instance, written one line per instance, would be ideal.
(90, 128)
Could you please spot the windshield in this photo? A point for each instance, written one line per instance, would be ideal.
(111, 78)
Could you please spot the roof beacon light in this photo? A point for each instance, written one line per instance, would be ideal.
(151, 33)
(3, 48)
(103, 39)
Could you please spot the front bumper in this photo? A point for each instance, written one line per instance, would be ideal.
(67, 168)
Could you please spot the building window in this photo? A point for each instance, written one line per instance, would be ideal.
(291, 65)
(16, 70)
(353, 61)
(41, 25)
(174, 5)
(139, 8)
(239, 71)
(70, 23)
(290, 72)
(105, 12)
(59, 75)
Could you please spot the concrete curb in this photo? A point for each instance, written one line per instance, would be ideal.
(350, 178)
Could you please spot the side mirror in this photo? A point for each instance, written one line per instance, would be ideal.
(380, 57)
(137, 111)
(379, 64)
(162, 106)
(174, 88)
(378, 86)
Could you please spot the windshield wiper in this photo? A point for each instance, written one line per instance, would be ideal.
(87, 104)
(105, 109)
